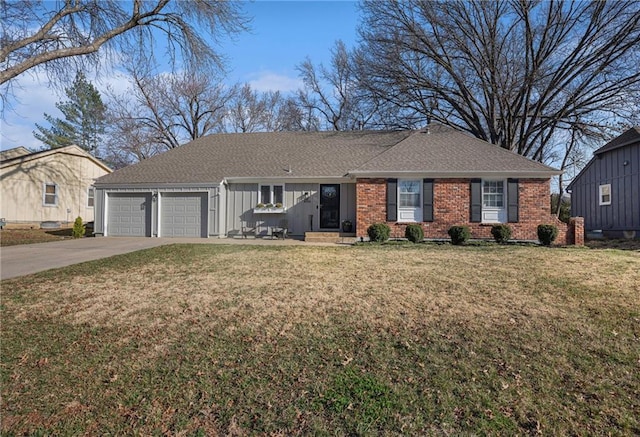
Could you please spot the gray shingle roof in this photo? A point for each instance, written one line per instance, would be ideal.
(628, 137)
(441, 149)
(215, 157)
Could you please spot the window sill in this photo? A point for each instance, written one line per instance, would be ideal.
(492, 223)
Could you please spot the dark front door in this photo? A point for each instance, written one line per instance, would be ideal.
(329, 206)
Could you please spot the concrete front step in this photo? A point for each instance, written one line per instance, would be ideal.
(329, 237)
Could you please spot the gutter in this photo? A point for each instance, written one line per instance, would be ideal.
(458, 175)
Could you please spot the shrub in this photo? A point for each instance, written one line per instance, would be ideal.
(414, 233)
(379, 232)
(78, 228)
(501, 233)
(547, 234)
(459, 234)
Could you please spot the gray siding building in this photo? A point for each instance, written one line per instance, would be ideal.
(607, 191)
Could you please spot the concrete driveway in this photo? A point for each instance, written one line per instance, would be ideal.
(32, 258)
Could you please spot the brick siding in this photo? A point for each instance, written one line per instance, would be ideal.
(451, 206)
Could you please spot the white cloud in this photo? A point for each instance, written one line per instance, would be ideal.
(269, 81)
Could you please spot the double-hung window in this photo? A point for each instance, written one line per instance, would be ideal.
(90, 197)
(493, 194)
(604, 194)
(273, 194)
(493, 202)
(409, 200)
(50, 195)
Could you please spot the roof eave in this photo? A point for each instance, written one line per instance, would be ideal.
(544, 174)
(154, 185)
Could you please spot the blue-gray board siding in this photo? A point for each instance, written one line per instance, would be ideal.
(624, 212)
(302, 211)
(101, 199)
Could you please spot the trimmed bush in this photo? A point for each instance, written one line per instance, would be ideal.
(547, 234)
(78, 228)
(501, 233)
(379, 232)
(459, 234)
(414, 233)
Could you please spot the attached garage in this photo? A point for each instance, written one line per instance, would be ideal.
(183, 215)
(129, 215)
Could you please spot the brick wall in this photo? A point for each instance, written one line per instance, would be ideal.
(575, 232)
(451, 206)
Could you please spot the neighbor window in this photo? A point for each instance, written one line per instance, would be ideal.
(90, 197)
(493, 194)
(50, 195)
(605, 194)
(271, 194)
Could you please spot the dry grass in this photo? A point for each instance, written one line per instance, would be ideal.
(496, 339)
(13, 237)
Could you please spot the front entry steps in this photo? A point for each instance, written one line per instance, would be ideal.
(329, 237)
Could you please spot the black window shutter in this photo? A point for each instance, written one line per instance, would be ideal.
(513, 201)
(392, 200)
(427, 200)
(476, 200)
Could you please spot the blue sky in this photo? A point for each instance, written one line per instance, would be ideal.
(282, 34)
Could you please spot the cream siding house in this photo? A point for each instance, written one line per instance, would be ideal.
(48, 186)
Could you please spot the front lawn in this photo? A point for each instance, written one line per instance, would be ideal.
(425, 339)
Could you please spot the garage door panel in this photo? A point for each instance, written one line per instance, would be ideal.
(184, 215)
(129, 215)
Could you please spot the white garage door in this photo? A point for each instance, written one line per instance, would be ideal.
(183, 215)
(129, 215)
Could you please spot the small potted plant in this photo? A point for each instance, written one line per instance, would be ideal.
(279, 205)
(347, 226)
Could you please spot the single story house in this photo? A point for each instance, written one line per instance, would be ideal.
(222, 184)
(326, 182)
(607, 190)
(48, 186)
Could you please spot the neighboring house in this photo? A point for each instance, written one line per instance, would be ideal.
(607, 191)
(437, 177)
(48, 186)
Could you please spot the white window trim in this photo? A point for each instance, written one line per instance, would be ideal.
(499, 210)
(91, 194)
(601, 188)
(417, 210)
(271, 193)
(44, 194)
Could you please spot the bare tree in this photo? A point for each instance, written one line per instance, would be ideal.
(253, 111)
(53, 35)
(333, 93)
(161, 112)
(523, 75)
(291, 116)
(249, 111)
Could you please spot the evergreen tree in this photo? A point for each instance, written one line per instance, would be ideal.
(84, 119)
